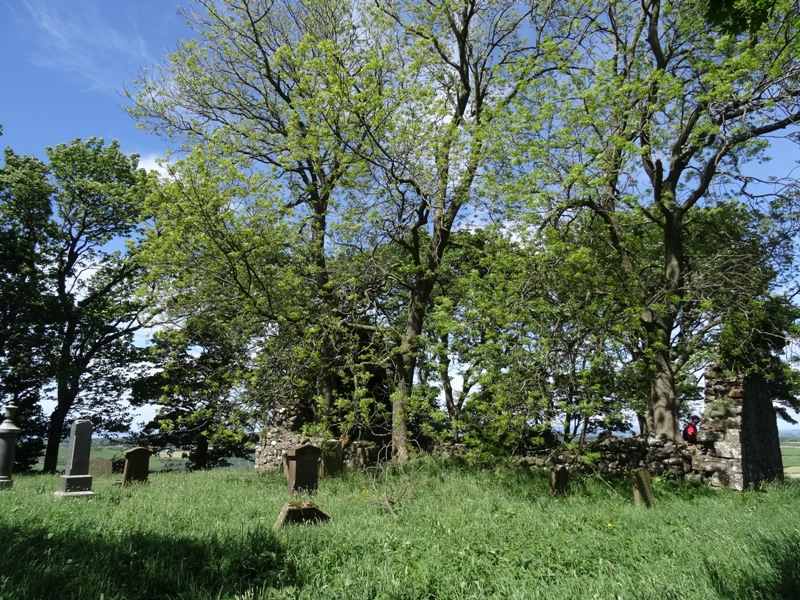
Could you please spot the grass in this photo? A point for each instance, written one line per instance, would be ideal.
(791, 454)
(457, 534)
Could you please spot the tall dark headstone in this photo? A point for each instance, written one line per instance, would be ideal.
(137, 465)
(8, 446)
(76, 481)
(303, 468)
(642, 488)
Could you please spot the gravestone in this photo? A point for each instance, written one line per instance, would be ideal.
(303, 468)
(332, 463)
(76, 481)
(559, 480)
(642, 488)
(8, 446)
(137, 466)
(300, 512)
(100, 467)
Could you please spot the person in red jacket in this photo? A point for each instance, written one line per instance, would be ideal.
(690, 431)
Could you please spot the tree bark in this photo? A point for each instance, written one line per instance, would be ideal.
(662, 411)
(65, 399)
(407, 364)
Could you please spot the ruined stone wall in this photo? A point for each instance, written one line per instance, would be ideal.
(738, 444)
(620, 456)
(738, 441)
(275, 442)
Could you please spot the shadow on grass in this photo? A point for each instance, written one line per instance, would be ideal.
(775, 577)
(40, 564)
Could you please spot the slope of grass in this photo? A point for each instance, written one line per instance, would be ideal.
(456, 534)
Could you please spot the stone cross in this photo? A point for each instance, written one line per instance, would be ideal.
(303, 468)
(8, 446)
(76, 481)
(137, 465)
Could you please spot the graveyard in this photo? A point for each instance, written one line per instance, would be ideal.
(410, 300)
(427, 529)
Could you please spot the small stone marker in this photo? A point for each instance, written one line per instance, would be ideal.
(8, 446)
(300, 512)
(303, 468)
(642, 488)
(559, 480)
(100, 467)
(137, 465)
(76, 481)
(332, 459)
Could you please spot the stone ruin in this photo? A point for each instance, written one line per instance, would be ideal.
(274, 444)
(738, 445)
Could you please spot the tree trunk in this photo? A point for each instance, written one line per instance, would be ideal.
(662, 411)
(55, 429)
(406, 366)
(201, 451)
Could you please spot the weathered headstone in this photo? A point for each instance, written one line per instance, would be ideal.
(332, 463)
(76, 481)
(559, 480)
(8, 446)
(100, 467)
(300, 512)
(642, 488)
(137, 465)
(303, 468)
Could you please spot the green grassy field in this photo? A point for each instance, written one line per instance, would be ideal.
(790, 450)
(457, 534)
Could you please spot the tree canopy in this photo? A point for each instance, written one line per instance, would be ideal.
(71, 307)
(483, 220)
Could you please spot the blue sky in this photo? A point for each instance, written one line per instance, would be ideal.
(65, 63)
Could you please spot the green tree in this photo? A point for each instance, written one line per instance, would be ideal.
(459, 67)
(282, 85)
(88, 196)
(26, 340)
(660, 123)
(197, 369)
(739, 16)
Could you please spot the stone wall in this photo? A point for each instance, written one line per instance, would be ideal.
(275, 442)
(738, 445)
(620, 456)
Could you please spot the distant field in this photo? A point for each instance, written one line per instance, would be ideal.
(160, 462)
(791, 454)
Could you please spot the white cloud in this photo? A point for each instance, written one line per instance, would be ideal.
(81, 43)
(153, 162)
